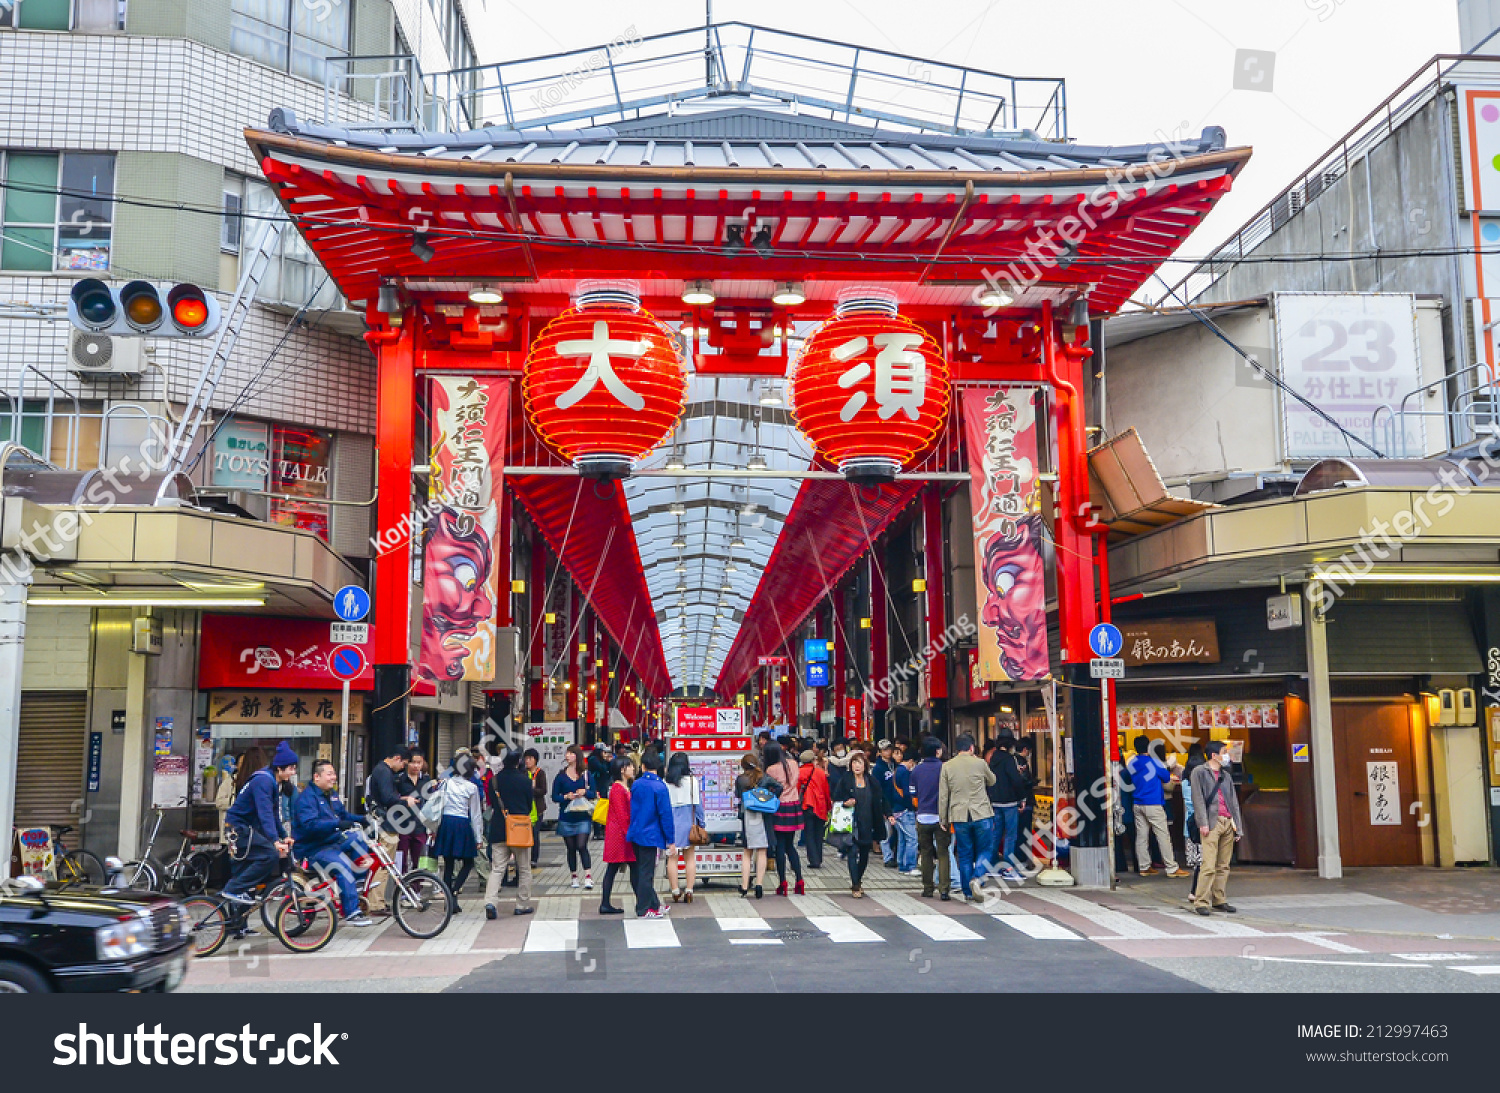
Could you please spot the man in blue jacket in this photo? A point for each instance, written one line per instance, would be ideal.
(933, 837)
(257, 839)
(319, 823)
(651, 830)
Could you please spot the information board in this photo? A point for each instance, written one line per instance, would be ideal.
(715, 762)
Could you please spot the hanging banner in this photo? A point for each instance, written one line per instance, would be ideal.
(459, 571)
(1000, 436)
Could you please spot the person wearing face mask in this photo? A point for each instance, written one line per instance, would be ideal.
(1216, 811)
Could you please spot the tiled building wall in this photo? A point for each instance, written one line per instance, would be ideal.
(165, 243)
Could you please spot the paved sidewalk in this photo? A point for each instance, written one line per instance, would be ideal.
(1439, 904)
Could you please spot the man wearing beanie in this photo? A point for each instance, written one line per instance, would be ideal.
(258, 842)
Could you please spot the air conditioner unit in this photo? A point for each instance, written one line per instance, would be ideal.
(97, 355)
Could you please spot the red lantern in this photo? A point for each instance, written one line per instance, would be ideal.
(870, 388)
(604, 383)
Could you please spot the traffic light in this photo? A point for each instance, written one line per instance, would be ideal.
(140, 307)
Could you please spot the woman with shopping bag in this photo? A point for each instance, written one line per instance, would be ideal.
(573, 794)
(867, 805)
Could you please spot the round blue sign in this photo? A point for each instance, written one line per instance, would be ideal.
(351, 603)
(1106, 640)
(346, 662)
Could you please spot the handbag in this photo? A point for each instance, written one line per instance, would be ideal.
(517, 830)
(760, 799)
(432, 808)
(697, 836)
(601, 810)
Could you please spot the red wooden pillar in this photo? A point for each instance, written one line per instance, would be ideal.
(936, 661)
(396, 408)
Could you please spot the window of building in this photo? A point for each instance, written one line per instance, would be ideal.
(232, 228)
(295, 36)
(95, 16)
(57, 211)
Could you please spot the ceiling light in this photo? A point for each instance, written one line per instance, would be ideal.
(421, 248)
(518, 587)
(757, 463)
(736, 543)
(698, 293)
(770, 395)
(681, 567)
(788, 294)
(677, 508)
(728, 587)
(388, 300)
(485, 294)
(675, 462)
(551, 618)
(995, 297)
(679, 543)
(731, 568)
(144, 601)
(680, 588)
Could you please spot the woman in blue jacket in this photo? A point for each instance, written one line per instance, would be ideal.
(651, 829)
(572, 792)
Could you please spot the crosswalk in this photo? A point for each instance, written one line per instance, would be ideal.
(892, 917)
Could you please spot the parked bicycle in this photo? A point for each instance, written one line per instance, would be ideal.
(77, 866)
(300, 917)
(421, 903)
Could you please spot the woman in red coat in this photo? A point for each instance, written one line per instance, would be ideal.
(816, 803)
(617, 849)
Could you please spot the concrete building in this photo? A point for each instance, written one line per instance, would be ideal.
(122, 156)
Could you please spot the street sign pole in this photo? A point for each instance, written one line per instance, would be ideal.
(344, 744)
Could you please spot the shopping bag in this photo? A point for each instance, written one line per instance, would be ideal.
(840, 820)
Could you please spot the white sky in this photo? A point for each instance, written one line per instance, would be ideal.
(1132, 69)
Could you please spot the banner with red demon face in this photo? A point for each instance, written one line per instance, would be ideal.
(1000, 435)
(461, 575)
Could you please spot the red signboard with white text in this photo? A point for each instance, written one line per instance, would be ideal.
(710, 720)
(240, 651)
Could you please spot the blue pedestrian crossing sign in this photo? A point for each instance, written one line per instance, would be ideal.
(1105, 640)
(351, 603)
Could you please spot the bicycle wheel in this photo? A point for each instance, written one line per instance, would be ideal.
(140, 875)
(207, 924)
(305, 922)
(194, 877)
(81, 867)
(271, 904)
(424, 907)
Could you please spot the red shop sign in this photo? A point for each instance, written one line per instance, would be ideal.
(240, 651)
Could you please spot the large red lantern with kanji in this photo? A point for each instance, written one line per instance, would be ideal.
(870, 388)
(604, 383)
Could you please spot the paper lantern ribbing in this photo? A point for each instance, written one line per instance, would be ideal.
(870, 390)
(604, 384)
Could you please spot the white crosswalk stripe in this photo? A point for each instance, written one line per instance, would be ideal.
(1116, 922)
(1035, 926)
(921, 917)
(844, 928)
(1478, 969)
(650, 933)
(734, 914)
(551, 936)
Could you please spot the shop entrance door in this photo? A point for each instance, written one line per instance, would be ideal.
(1375, 775)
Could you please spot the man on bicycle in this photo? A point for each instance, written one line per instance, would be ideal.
(258, 841)
(327, 836)
(385, 804)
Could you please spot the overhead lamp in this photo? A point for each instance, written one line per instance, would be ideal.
(736, 543)
(583, 647)
(675, 462)
(698, 293)
(421, 248)
(599, 663)
(728, 587)
(679, 543)
(994, 296)
(145, 601)
(680, 567)
(788, 294)
(919, 584)
(486, 294)
(770, 395)
(677, 508)
(611, 675)
(757, 463)
(761, 240)
(551, 618)
(865, 623)
(680, 588)
(567, 684)
(518, 587)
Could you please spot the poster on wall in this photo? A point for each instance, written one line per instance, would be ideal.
(459, 573)
(551, 740)
(1010, 575)
(169, 781)
(1385, 794)
(1346, 354)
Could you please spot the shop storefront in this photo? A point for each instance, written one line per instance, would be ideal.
(267, 680)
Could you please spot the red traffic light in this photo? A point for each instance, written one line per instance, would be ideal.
(189, 307)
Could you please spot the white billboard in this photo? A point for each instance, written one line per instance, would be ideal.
(1347, 354)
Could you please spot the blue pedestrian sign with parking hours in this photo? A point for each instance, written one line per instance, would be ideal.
(351, 603)
(1106, 640)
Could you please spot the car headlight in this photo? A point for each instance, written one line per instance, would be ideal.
(126, 938)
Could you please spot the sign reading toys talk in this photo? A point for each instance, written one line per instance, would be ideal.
(1000, 435)
(459, 568)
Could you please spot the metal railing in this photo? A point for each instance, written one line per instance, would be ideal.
(1475, 406)
(631, 74)
(1376, 126)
